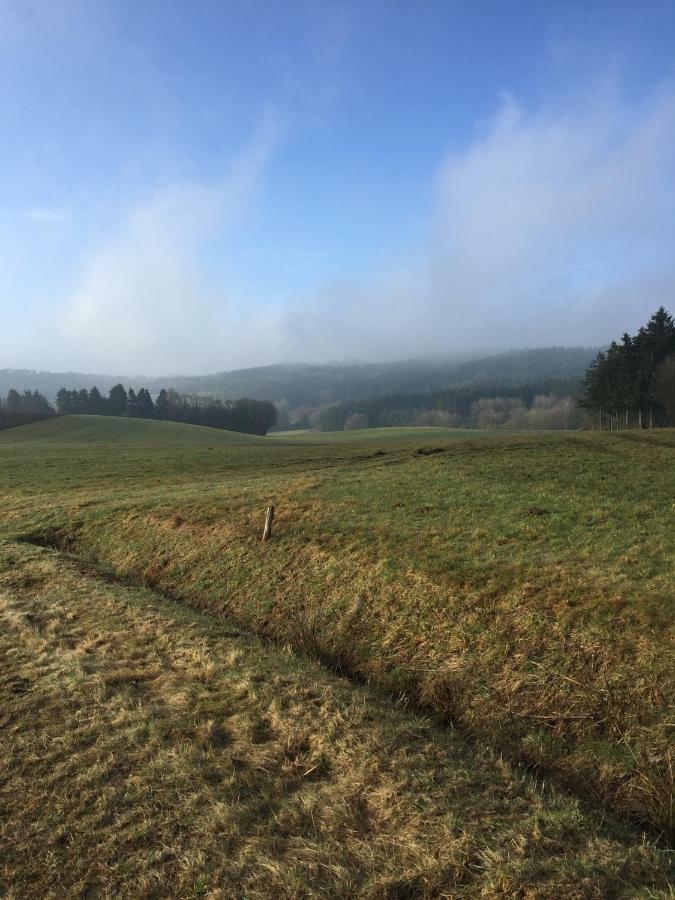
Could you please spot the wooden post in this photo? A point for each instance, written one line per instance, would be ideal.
(269, 518)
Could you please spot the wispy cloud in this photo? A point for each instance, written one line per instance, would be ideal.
(548, 212)
(47, 215)
(552, 225)
(144, 301)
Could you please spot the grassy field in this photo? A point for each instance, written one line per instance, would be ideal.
(152, 751)
(379, 435)
(520, 587)
(111, 430)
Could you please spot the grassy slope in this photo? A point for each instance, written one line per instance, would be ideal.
(378, 435)
(110, 430)
(521, 585)
(147, 748)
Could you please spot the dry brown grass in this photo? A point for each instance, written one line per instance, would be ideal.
(149, 751)
(586, 702)
(547, 636)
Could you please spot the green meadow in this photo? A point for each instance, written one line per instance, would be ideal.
(379, 435)
(113, 431)
(495, 605)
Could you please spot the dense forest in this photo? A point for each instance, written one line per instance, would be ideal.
(632, 384)
(20, 409)
(245, 415)
(296, 385)
(545, 404)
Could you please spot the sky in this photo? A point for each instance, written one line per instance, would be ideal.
(189, 187)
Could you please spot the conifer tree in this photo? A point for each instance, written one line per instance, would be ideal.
(64, 401)
(117, 401)
(622, 386)
(162, 405)
(145, 405)
(97, 403)
(13, 401)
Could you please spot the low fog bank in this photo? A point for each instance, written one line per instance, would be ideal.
(298, 385)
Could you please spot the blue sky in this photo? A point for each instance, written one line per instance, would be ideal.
(207, 185)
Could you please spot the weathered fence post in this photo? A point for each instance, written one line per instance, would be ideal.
(269, 518)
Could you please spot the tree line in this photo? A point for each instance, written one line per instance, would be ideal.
(19, 409)
(244, 415)
(28, 403)
(632, 384)
(548, 403)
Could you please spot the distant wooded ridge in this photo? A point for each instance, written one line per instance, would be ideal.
(290, 386)
(631, 384)
(546, 404)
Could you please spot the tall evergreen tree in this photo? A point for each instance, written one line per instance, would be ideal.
(83, 401)
(64, 401)
(162, 405)
(621, 385)
(145, 404)
(97, 403)
(665, 388)
(13, 401)
(117, 401)
(132, 404)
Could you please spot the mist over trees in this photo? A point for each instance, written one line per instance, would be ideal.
(244, 415)
(546, 404)
(30, 402)
(632, 384)
(297, 385)
(20, 408)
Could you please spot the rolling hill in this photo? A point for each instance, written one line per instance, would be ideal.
(300, 384)
(503, 584)
(117, 430)
(382, 435)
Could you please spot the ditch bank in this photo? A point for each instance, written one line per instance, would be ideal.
(564, 704)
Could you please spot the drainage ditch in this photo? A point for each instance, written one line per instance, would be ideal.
(305, 642)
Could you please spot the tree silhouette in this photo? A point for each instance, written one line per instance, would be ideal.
(117, 401)
(623, 387)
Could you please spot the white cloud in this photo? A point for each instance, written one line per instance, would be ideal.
(551, 226)
(549, 211)
(144, 303)
(47, 215)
